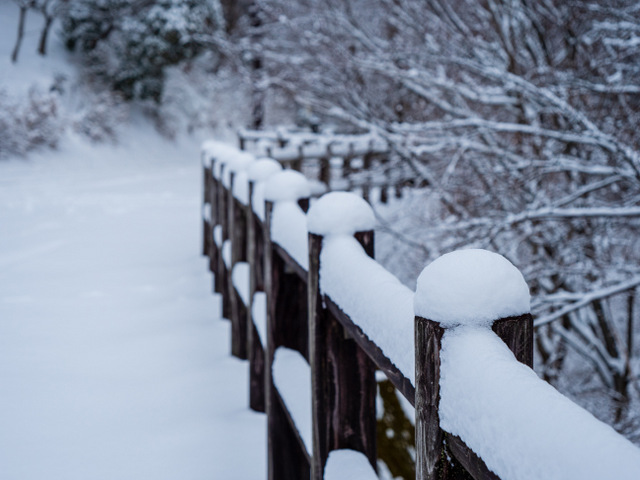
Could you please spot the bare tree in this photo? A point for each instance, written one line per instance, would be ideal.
(521, 117)
(24, 6)
(49, 9)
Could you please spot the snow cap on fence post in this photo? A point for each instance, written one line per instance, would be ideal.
(238, 168)
(287, 185)
(258, 173)
(207, 149)
(262, 169)
(217, 153)
(471, 287)
(340, 213)
(235, 164)
(224, 157)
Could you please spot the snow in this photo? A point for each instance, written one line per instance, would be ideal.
(289, 230)
(113, 361)
(240, 279)
(217, 235)
(220, 153)
(257, 202)
(374, 299)
(206, 212)
(292, 378)
(226, 252)
(259, 314)
(259, 172)
(262, 169)
(234, 163)
(348, 465)
(289, 222)
(340, 213)
(518, 424)
(287, 185)
(313, 145)
(207, 152)
(241, 187)
(317, 187)
(470, 287)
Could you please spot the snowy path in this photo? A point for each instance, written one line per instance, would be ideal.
(113, 363)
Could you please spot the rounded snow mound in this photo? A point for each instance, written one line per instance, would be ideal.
(340, 213)
(217, 151)
(470, 287)
(235, 164)
(240, 162)
(287, 185)
(262, 169)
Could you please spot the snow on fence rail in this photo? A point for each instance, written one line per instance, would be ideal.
(316, 316)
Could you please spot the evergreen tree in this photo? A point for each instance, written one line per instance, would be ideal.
(129, 44)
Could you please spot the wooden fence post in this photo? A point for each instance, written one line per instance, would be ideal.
(206, 193)
(435, 450)
(256, 282)
(297, 162)
(342, 375)
(517, 333)
(432, 457)
(237, 236)
(441, 456)
(384, 194)
(346, 161)
(325, 168)
(260, 171)
(287, 327)
(214, 250)
(221, 273)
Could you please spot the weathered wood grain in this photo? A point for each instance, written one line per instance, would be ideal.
(343, 379)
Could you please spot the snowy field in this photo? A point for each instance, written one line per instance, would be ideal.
(114, 363)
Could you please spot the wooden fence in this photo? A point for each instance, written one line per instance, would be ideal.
(361, 163)
(269, 279)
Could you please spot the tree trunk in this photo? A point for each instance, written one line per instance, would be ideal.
(44, 35)
(258, 93)
(21, 21)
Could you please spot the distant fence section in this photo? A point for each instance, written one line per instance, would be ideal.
(318, 318)
(361, 163)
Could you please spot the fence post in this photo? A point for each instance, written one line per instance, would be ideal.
(223, 217)
(439, 455)
(206, 192)
(517, 333)
(254, 346)
(297, 162)
(237, 236)
(342, 375)
(431, 452)
(346, 161)
(324, 174)
(214, 250)
(286, 326)
(258, 172)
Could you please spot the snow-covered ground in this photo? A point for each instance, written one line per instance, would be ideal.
(114, 362)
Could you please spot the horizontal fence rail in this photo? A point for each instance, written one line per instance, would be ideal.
(317, 317)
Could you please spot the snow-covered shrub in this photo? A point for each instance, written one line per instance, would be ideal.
(29, 123)
(199, 93)
(99, 119)
(41, 119)
(138, 39)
